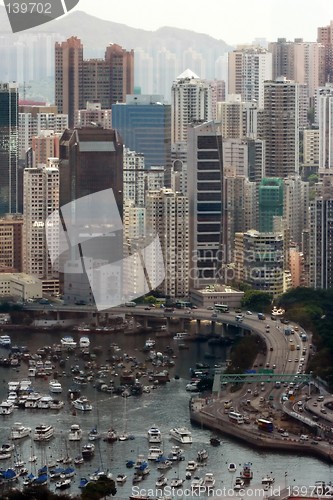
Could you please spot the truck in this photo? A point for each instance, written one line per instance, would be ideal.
(304, 337)
(261, 316)
(287, 331)
(292, 347)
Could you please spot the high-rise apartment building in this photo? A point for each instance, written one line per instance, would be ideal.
(238, 118)
(134, 178)
(191, 101)
(8, 148)
(40, 199)
(69, 77)
(260, 261)
(325, 121)
(34, 119)
(299, 61)
(93, 115)
(280, 127)
(44, 146)
(270, 202)
(11, 243)
(310, 150)
(240, 209)
(167, 214)
(296, 207)
(248, 68)
(78, 81)
(325, 37)
(205, 188)
(144, 124)
(321, 237)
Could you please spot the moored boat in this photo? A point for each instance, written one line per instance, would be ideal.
(43, 432)
(181, 434)
(75, 433)
(246, 474)
(154, 435)
(68, 342)
(82, 404)
(19, 431)
(121, 478)
(202, 455)
(55, 386)
(215, 441)
(63, 484)
(88, 451)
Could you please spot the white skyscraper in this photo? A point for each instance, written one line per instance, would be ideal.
(33, 120)
(134, 177)
(191, 101)
(248, 68)
(40, 200)
(325, 120)
(167, 215)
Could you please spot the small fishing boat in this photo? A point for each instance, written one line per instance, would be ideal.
(202, 455)
(63, 484)
(215, 441)
(121, 478)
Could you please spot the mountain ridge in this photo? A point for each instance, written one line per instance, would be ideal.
(96, 34)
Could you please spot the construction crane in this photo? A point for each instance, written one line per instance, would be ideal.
(24, 88)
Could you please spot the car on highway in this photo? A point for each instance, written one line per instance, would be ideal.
(210, 308)
(249, 313)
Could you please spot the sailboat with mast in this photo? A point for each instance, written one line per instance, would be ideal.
(124, 436)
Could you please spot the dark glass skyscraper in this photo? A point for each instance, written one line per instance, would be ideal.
(8, 148)
(91, 162)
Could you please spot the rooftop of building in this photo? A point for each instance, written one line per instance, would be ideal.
(218, 288)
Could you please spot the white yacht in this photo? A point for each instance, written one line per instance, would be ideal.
(154, 453)
(75, 433)
(154, 435)
(5, 341)
(84, 342)
(55, 386)
(82, 404)
(209, 481)
(18, 431)
(44, 402)
(176, 454)
(32, 400)
(192, 465)
(68, 342)
(6, 407)
(43, 432)
(13, 385)
(181, 434)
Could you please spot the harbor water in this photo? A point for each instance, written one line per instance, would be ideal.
(166, 406)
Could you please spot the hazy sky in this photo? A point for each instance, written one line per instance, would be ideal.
(234, 21)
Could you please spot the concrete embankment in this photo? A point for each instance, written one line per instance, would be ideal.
(257, 439)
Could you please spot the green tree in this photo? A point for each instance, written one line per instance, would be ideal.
(99, 489)
(256, 300)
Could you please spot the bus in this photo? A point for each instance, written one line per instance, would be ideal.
(265, 425)
(223, 308)
(236, 417)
